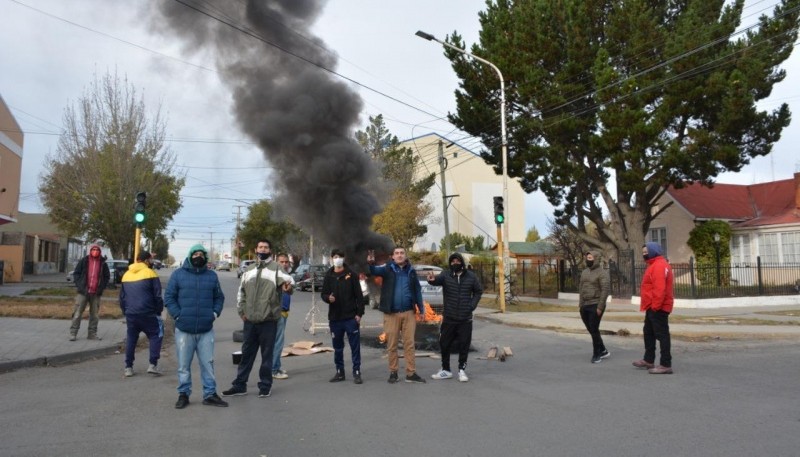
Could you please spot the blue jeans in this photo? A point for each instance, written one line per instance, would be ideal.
(338, 330)
(276, 353)
(186, 345)
(257, 336)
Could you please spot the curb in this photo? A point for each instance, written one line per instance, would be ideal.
(61, 359)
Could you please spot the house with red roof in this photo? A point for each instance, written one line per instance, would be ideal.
(764, 218)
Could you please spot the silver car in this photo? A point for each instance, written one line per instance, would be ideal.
(431, 294)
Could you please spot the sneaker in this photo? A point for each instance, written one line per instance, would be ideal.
(214, 400)
(444, 374)
(392, 377)
(234, 392)
(357, 377)
(128, 372)
(462, 376)
(643, 364)
(73, 337)
(596, 359)
(280, 374)
(605, 354)
(183, 400)
(414, 377)
(93, 337)
(154, 370)
(339, 376)
(264, 393)
(660, 370)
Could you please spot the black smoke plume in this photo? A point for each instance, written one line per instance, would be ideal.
(301, 116)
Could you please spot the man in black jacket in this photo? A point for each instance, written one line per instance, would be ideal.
(462, 291)
(341, 289)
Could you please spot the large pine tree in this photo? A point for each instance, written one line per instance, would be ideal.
(645, 93)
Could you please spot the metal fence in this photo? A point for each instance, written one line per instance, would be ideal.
(535, 279)
(702, 279)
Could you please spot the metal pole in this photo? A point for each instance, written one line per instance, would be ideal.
(501, 270)
(442, 166)
(136, 238)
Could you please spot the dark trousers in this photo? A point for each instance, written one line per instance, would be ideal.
(656, 328)
(153, 327)
(592, 322)
(338, 330)
(257, 336)
(459, 333)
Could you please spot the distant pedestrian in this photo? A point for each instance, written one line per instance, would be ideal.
(141, 303)
(341, 290)
(286, 304)
(194, 299)
(593, 294)
(91, 278)
(461, 290)
(400, 294)
(259, 306)
(657, 300)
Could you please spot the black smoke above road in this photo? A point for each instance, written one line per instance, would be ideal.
(301, 116)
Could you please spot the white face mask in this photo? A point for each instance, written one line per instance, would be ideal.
(338, 262)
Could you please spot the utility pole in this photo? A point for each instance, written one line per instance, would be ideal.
(237, 257)
(442, 166)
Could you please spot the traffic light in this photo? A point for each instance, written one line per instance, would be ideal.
(499, 216)
(139, 207)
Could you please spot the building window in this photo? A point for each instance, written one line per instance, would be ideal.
(659, 235)
(740, 250)
(790, 245)
(768, 247)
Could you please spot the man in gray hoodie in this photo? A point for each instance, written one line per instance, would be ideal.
(593, 291)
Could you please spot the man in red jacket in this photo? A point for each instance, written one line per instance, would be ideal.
(657, 299)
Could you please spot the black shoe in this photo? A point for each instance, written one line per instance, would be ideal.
(605, 354)
(234, 392)
(357, 377)
(339, 376)
(183, 400)
(415, 378)
(214, 400)
(596, 359)
(392, 377)
(264, 393)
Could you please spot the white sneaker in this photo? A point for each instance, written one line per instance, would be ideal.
(280, 374)
(444, 374)
(128, 372)
(462, 376)
(154, 370)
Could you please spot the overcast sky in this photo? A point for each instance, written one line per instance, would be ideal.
(51, 50)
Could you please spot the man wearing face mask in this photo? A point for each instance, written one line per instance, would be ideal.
(194, 299)
(593, 294)
(657, 300)
(91, 278)
(462, 291)
(259, 306)
(341, 289)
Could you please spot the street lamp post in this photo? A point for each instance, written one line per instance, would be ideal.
(504, 139)
(716, 251)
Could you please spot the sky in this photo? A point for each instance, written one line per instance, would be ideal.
(51, 50)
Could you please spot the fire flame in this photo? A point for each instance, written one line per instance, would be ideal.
(430, 317)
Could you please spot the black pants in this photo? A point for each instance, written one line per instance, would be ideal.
(656, 327)
(459, 333)
(260, 336)
(592, 322)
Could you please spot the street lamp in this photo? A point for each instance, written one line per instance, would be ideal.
(504, 139)
(716, 250)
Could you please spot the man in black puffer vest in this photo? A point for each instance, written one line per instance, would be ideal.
(462, 291)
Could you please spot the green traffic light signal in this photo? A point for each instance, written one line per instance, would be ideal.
(499, 218)
(499, 211)
(139, 207)
(139, 218)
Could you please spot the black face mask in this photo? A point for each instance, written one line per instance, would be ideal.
(645, 257)
(198, 262)
(456, 267)
(263, 255)
(589, 263)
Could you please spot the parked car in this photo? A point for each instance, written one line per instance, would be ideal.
(312, 278)
(299, 272)
(243, 266)
(223, 265)
(116, 269)
(433, 295)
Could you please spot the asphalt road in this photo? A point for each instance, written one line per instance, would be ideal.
(546, 400)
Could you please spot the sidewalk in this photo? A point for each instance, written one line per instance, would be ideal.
(39, 342)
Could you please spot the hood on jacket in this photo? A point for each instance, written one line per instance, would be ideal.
(653, 250)
(458, 256)
(195, 248)
(595, 254)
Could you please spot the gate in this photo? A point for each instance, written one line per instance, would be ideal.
(622, 272)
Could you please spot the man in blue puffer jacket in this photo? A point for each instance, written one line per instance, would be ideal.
(141, 303)
(194, 299)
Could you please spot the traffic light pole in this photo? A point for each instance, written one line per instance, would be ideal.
(501, 269)
(137, 237)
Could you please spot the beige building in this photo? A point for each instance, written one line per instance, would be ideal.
(11, 140)
(471, 184)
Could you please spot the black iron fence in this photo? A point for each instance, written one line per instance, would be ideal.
(536, 279)
(701, 279)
